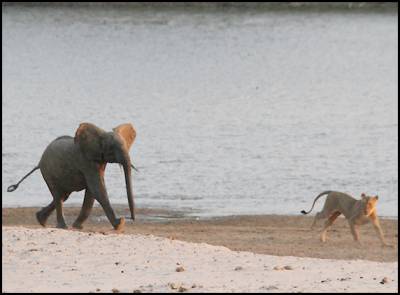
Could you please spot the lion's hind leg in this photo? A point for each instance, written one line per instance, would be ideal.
(318, 216)
(328, 224)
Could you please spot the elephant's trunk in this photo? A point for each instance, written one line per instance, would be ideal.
(128, 181)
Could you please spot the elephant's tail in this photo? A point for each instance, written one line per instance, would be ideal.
(320, 195)
(13, 187)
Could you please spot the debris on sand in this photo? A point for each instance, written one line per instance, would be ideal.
(173, 286)
(180, 269)
(385, 280)
(182, 289)
(179, 287)
(286, 267)
(269, 288)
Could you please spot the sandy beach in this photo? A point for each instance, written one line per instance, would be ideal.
(166, 252)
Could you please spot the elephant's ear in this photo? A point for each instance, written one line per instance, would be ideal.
(127, 133)
(89, 136)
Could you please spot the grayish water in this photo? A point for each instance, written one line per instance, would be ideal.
(241, 112)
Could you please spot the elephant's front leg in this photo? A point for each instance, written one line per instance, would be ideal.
(59, 210)
(87, 206)
(95, 183)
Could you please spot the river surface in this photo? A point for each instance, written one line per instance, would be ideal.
(236, 111)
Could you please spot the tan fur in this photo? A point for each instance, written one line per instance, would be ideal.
(127, 133)
(357, 212)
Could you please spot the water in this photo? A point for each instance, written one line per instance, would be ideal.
(236, 112)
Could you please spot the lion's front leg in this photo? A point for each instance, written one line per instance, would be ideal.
(354, 231)
(375, 221)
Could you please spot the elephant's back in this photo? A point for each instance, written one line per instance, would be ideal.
(60, 164)
(67, 137)
(60, 145)
(57, 153)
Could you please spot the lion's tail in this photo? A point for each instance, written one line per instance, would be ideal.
(315, 200)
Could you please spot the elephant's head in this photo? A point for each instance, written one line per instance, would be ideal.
(109, 147)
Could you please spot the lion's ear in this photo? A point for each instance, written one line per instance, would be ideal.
(376, 197)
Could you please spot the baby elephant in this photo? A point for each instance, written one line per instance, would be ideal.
(77, 163)
(357, 212)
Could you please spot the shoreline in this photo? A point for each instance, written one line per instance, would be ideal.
(281, 235)
(189, 214)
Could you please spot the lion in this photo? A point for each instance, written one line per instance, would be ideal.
(357, 212)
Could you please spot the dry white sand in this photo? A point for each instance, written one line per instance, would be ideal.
(53, 260)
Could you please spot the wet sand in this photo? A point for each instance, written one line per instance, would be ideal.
(263, 234)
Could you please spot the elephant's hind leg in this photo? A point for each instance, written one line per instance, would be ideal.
(58, 198)
(45, 212)
(87, 206)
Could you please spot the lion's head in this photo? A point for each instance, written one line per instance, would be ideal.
(369, 203)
